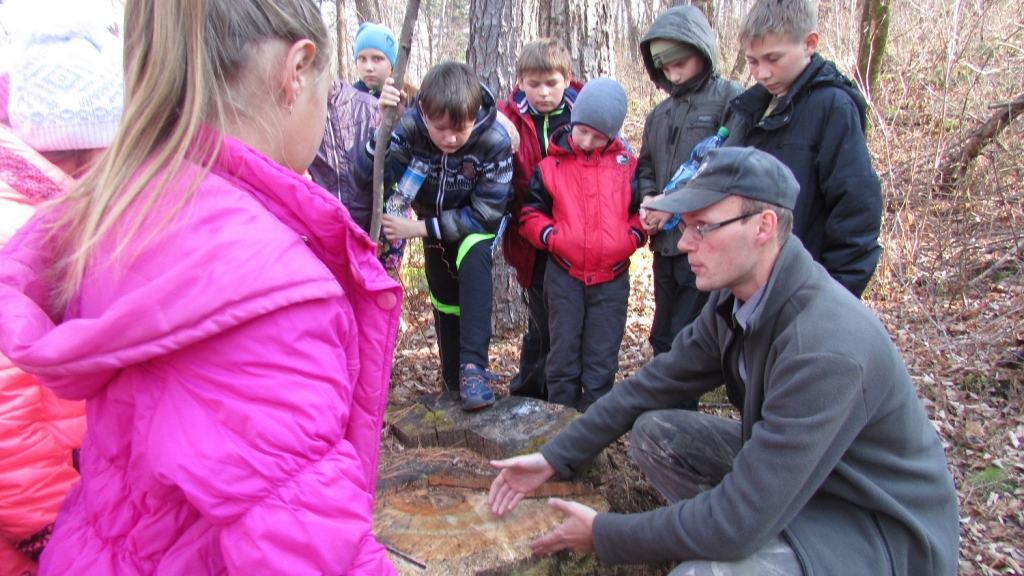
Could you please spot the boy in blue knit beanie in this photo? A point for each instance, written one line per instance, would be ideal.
(376, 49)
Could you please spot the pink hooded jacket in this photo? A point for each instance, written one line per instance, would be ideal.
(235, 368)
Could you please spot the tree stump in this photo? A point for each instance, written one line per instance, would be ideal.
(431, 507)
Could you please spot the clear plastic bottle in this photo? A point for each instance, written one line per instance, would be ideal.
(689, 168)
(407, 187)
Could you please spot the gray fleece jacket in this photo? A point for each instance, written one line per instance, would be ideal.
(838, 453)
(693, 111)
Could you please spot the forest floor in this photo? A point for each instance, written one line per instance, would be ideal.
(972, 392)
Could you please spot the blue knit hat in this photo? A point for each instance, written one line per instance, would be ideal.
(372, 35)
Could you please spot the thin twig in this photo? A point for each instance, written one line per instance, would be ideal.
(407, 557)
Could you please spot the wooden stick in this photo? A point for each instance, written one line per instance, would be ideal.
(406, 557)
(387, 122)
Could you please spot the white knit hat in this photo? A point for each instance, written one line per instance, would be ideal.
(67, 85)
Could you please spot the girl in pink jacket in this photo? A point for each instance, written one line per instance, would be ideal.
(226, 322)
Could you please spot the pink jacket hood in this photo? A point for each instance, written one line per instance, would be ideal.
(235, 367)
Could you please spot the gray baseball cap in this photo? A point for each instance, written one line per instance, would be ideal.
(746, 172)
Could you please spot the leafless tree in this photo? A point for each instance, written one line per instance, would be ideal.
(874, 35)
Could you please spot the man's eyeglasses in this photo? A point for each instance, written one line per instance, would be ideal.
(703, 229)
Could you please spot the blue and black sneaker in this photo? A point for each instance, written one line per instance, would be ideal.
(473, 387)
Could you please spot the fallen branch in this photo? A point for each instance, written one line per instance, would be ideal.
(955, 166)
(1010, 255)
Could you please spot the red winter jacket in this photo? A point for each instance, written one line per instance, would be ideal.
(38, 430)
(581, 209)
(519, 253)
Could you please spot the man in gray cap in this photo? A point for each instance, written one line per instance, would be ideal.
(833, 467)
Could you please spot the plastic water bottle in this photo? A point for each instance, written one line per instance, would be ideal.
(689, 168)
(407, 187)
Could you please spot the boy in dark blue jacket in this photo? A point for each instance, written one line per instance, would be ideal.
(451, 126)
(807, 114)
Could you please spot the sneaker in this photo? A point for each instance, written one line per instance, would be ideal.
(473, 387)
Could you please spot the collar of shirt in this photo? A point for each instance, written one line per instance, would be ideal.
(741, 311)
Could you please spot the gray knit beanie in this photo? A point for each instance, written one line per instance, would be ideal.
(601, 105)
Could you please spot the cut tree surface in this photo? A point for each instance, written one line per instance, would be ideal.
(431, 508)
(511, 427)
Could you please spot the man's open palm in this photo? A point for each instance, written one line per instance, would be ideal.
(519, 476)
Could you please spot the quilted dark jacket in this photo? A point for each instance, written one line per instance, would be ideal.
(817, 130)
(464, 192)
(352, 116)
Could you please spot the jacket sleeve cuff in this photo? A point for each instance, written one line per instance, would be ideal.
(635, 538)
(544, 234)
(433, 228)
(371, 144)
(639, 237)
(551, 454)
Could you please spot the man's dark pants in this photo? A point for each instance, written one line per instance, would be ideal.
(684, 453)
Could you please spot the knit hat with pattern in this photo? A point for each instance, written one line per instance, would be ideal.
(67, 86)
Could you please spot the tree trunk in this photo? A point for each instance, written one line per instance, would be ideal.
(874, 34)
(706, 6)
(431, 506)
(497, 32)
(343, 45)
(583, 27)
(367, 11)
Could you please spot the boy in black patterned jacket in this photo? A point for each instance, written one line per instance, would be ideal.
(461, 204)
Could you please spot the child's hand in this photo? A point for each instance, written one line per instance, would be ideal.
(389, 95)
(399, 228)
(653, 220)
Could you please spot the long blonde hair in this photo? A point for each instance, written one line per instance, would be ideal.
(183, 65)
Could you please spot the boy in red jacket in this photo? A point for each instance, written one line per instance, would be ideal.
(581, 210)
(538, 106)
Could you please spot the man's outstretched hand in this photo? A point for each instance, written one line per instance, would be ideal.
(519, 476)
(576, 533)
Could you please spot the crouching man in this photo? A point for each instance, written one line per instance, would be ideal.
(833, 467)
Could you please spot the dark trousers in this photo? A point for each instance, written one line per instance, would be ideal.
(531, 381)
(587, 324)
(684, 453)
(677, 303)
(461, 291)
